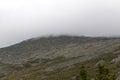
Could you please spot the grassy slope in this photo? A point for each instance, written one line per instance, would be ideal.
(66, 73)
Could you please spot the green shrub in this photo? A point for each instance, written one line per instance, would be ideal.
(102, 73)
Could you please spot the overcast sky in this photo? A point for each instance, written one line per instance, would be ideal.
(24, 19)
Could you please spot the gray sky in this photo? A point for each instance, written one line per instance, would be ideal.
(24, 19)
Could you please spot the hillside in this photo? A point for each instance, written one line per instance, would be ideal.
(57, 58)
(42, 48)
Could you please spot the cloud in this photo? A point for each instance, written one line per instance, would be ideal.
(24, 19)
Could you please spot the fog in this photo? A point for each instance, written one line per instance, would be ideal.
(24, 19)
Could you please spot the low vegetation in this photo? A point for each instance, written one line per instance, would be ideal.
(102, 73)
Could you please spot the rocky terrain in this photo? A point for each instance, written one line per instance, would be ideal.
(58, 58)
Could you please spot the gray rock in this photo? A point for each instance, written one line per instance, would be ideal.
(118, 78)
(74, 78)
(116, 60)
(100, 62)
(3, 69)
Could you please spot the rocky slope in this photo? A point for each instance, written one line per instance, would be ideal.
(51, 58)
(53, 47)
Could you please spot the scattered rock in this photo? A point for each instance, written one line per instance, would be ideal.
(69, 63)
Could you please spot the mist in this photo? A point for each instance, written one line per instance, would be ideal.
(24, 19)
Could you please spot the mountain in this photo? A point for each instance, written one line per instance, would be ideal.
(58, 58)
